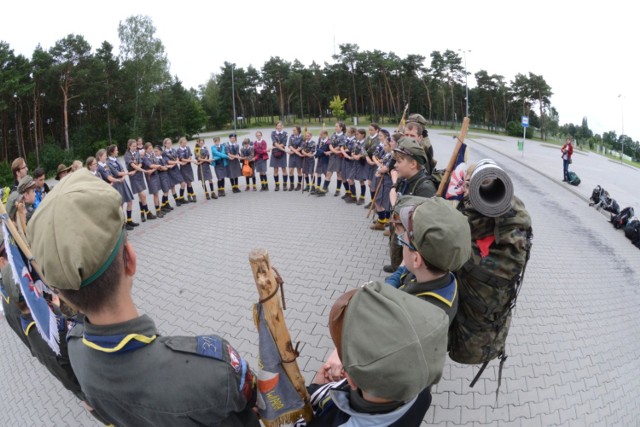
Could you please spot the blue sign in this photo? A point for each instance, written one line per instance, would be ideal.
(525, 121)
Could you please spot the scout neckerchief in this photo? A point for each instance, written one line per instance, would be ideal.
(116, 344)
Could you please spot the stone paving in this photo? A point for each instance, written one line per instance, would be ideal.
(572, 348)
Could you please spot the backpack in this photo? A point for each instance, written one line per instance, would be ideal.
(632, 230)
(597, 196)
(573, 178)
(610, 205)
(620, 220)
(247, 170)
(488, 285)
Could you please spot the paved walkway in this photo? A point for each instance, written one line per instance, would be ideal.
(572, 347)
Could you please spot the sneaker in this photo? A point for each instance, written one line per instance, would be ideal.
(143, 218)
(377, 226)
(337, 193)
(388, 269)
(360, 201)
(151, 216)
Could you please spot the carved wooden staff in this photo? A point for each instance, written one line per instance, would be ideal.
(267, 285)
(454, 157)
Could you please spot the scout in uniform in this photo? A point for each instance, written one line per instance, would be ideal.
(234, 170)
(338, 140)
(371, 145)
(348, 169)
(416, 128)
(129, 373)
(204, 170)
(62, 171)
(133, 161)
(412, 180)
(185, 158)
(382, 201)
(308, 150)
(165, 179)
(393, 347)
(220, 163)
(247, 152)
(21, 201)
(262, 155)
(295, 158)
(279, 155)
(92, 165)
(152, 176)
(322, 154)
(170, 156)
(42, 189)
(118, 172)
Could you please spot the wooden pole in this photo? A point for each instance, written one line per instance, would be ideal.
(454, 156)
(267, 285)
(375, 196)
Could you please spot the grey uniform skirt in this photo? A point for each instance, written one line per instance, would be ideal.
(372, 171)
(124, 190)
(295, 161)
(187, 172)
(308, 165)
(261, 167)
(221, 170)
(234, 168)
(362, 171)
(153, 182)
(278, 163)
(137, 183)
(382, 198)
(175, 176)
(204, 172)
(349, 169)
(165, 181)
(335, 163)
(322, 166)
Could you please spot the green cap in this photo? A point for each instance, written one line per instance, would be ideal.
(417, 118)
(410, 147)
(25, 184)
(76, 231)
(439, 232)
(392, 344)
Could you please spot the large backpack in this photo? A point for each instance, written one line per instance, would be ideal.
(610, 205)
(573, 178)
(489, 284)
(597, 196)
(632, 230)
(620, 220)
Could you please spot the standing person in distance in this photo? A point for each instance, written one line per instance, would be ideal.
(322, 154)
(371, 147)
(165, 178)
(234, 169)
(295, 158)
(338, 140)
(220, 163)
(262, 155)
(133, 160)
(204, 170)
(279, 155)
(121, 185)
(152, 175)
(185, 157)
(308, 150)
(247, 153)
(170, 156)
(567, 152)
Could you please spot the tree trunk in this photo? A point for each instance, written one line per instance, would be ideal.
(541, 116)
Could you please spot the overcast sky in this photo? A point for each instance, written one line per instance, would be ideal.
(585, 52)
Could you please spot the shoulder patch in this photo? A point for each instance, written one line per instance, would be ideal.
(210, 346)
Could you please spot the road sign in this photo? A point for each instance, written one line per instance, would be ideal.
(525, 121)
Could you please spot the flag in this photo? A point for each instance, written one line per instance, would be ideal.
(32, 289)
(278, 401)
(456, 184)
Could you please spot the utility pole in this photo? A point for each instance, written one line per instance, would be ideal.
(466, 83)
(233, 97)
(622, 120)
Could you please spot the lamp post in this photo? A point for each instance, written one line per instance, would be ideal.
(466, 83)
(233, 97)
(622, 123)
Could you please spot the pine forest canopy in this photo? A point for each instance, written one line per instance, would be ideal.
(71, 100)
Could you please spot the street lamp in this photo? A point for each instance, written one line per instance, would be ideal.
(466, 84)
(622, 120)
(233, 97)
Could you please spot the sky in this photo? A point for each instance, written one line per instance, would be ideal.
(584, 50)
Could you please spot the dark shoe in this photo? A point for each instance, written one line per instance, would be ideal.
(159, 214)
(345, 196)
(367, 206)
(178, 202)
(247, 188)
(321, 192)
(314, 190)
(207, 195)
(298, 187)
(277, 187)
(133, 224)
(377, 226)
(129, 227)
(221, 193)
(360, 201)
(193, 199)
(264, 188)
(305, 189)
(388, 269)
(214, 195)
(150, 216)
(337, 193)
(350, 199)
(291, 186)
(166, 208)
(253, 187)
(143, 217)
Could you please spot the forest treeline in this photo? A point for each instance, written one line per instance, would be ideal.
(71, 99)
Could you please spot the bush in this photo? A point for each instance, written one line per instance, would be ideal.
(6, 178)
(51, 155)
(515, 129)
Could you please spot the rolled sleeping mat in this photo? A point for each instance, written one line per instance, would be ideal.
(490, 189)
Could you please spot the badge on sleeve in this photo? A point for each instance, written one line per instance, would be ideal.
(210, 346)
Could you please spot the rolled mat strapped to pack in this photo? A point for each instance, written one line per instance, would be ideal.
(490, 189)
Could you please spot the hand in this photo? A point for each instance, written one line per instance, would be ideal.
(333, 367)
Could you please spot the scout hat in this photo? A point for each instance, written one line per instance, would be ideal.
(417, 118)
(77, 230)
(26, 183)
(392, 344)
(61, 168)
(436, 230)
(233, 135)
(410, 147)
